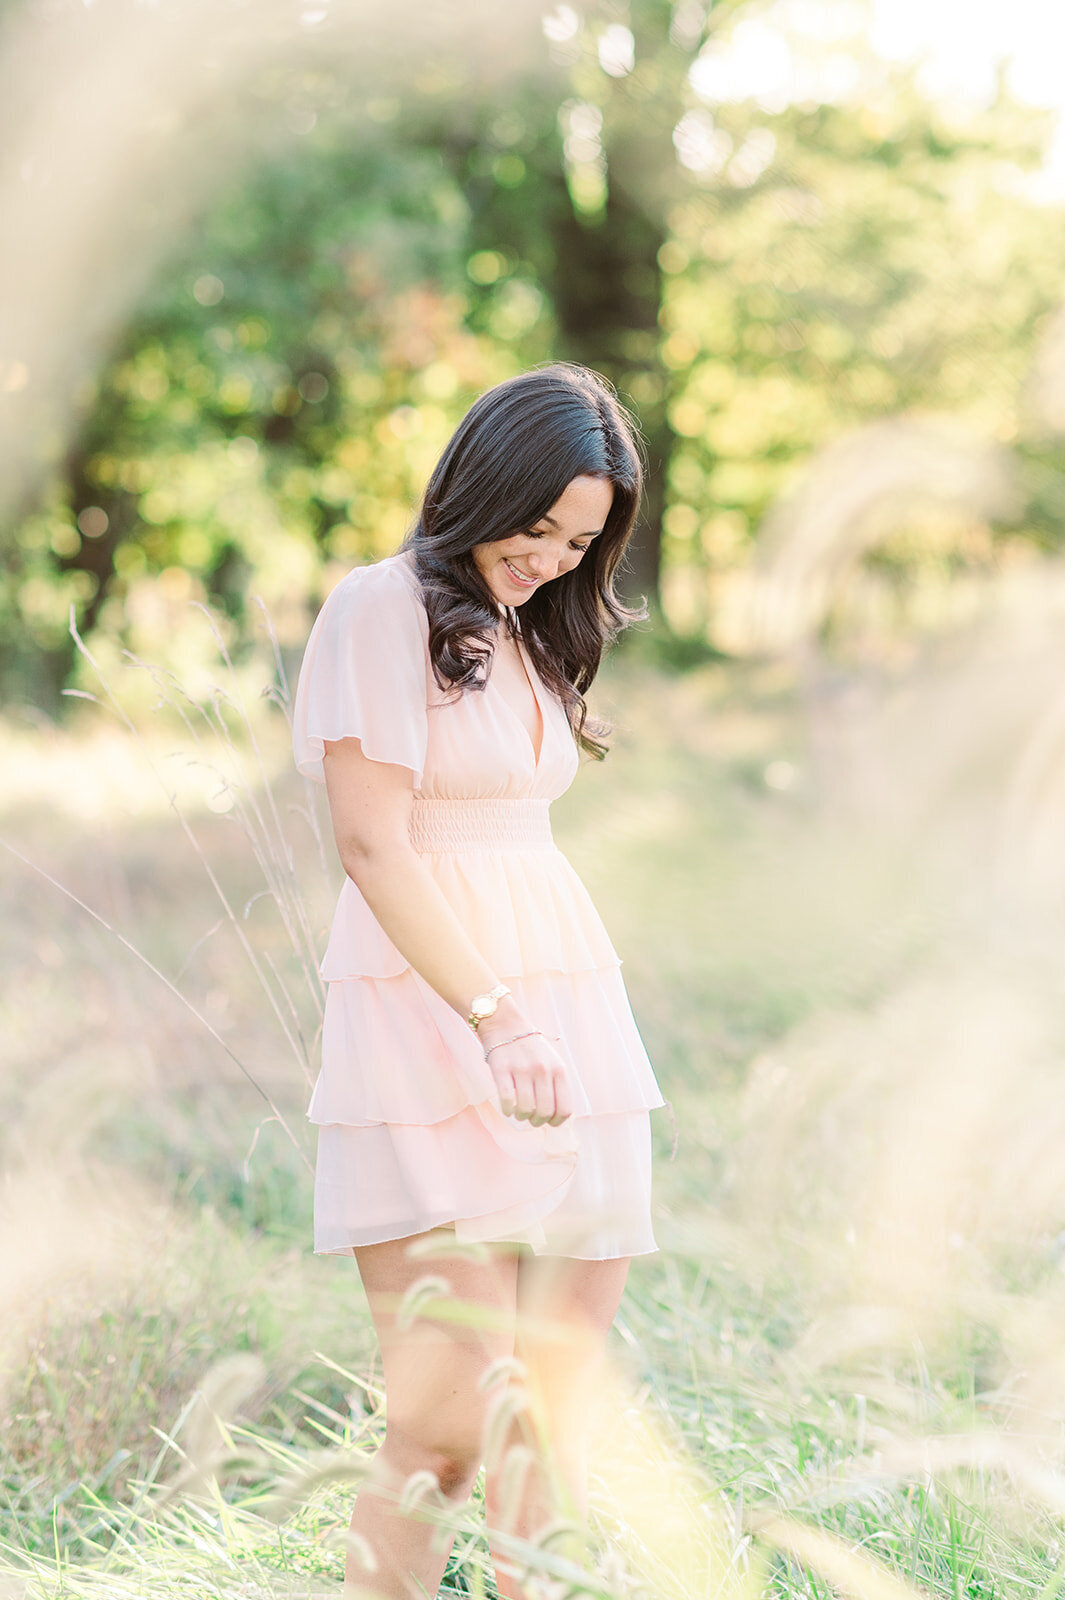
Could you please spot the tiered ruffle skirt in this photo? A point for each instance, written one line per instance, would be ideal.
(409, 1134)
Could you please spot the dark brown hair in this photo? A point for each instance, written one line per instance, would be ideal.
(508, 461)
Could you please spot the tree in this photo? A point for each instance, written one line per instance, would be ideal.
(753, 281)
(573, 181)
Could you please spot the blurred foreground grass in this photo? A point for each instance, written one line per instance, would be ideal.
(842, 1374)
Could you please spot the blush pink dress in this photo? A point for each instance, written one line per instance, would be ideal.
(410, 1136)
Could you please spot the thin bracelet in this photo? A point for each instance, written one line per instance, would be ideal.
(515, 1039)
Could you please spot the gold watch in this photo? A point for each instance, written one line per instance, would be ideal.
(484, 1005)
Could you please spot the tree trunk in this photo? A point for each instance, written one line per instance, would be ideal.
(606, 292)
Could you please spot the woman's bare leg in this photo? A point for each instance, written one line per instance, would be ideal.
(565, 1308)
(436, 1410)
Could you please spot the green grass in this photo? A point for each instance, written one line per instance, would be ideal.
(851, 1334)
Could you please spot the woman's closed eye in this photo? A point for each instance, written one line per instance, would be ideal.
(537, 533)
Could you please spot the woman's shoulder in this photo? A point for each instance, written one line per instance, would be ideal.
(388, 588)
(363, 672)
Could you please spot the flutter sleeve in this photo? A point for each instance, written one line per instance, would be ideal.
(364, 674)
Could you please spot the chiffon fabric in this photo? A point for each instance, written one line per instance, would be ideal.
(410, 1135)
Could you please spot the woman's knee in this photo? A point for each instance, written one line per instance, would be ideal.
(454, 1459)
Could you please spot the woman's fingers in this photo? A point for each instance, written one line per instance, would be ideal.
(563, 1101)
(544, 1087)
(526, 1093)
(536, 1092)
(540, 1101)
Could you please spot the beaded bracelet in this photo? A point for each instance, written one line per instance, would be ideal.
(515, 1039)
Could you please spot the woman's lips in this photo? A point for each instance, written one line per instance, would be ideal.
(519, 577)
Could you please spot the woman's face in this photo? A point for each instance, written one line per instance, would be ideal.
(515, 567)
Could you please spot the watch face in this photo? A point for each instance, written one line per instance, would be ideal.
(482, 1006)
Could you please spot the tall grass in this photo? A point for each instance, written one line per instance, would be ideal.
(842, 1373)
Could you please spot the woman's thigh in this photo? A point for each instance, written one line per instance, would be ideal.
(567, 1290)
(436, 1353)
(565, 1309)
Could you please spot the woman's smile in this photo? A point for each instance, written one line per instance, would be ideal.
(520, 577)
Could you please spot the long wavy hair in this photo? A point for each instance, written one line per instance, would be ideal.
(511, 457)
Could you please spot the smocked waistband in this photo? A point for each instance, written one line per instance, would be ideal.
(519, 824)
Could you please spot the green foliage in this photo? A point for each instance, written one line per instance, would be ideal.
(278, 404)
(755, 282)
(871, 266)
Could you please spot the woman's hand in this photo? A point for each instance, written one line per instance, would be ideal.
(531, 1078)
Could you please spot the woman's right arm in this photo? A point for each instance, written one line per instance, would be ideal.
(370, 805)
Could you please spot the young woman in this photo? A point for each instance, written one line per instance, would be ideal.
(484, 1091)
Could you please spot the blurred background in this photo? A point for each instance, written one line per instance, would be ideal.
(258, 261)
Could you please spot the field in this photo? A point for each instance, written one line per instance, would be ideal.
(837, 892)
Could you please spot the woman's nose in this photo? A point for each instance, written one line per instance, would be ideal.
(543, 565)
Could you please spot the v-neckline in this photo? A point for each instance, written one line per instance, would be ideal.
(406, 561)
(537, 755)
